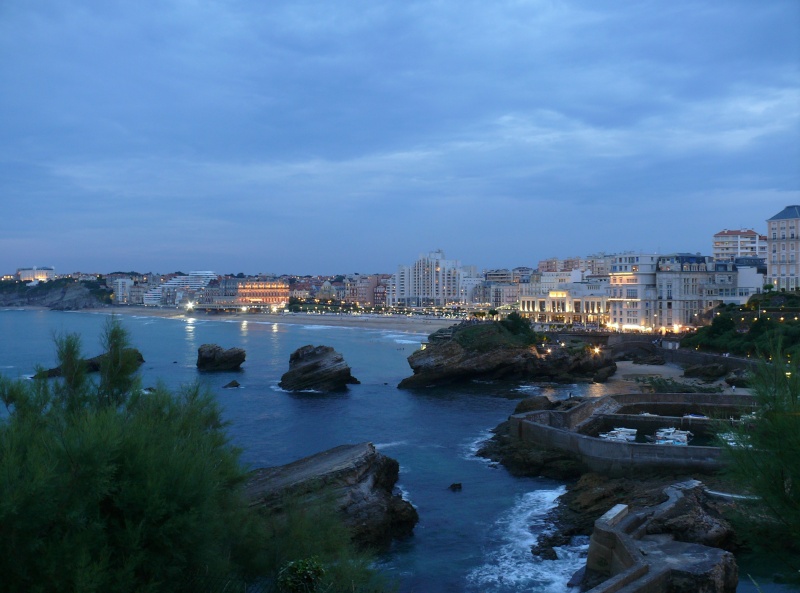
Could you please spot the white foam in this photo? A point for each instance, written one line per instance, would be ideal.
(382, 446)
(469, 450)
(509, 565)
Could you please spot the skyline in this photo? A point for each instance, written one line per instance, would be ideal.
(305, 137)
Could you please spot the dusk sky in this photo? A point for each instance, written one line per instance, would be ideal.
(324, 137)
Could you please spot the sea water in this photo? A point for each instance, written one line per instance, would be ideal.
(475, 540)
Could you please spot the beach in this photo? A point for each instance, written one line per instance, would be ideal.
(418, 324)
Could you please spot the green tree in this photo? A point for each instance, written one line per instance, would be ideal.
(764, 455)
(104, 487)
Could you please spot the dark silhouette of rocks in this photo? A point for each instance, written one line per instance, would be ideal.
(232, 385)
(357, 478)
(317, 368)
(92, 364)
(212, 357)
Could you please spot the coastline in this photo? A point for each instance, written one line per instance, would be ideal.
(416, 324)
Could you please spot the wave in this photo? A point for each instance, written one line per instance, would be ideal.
(469, 450)
(509, 566)
(382, 446)
(528, 388)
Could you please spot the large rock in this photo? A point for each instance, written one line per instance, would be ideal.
(706, 372)
(357, 478)
(449, 361)
(317, 368)
(212, 357)
(92, 364)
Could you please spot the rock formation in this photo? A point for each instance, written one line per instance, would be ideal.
(484, 352)
(92, 364)
(211, 357)
(317, 368)
(359, 480)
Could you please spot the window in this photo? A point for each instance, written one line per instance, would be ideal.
(631, 293)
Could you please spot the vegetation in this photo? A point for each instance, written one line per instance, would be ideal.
(754, 329)
(513, 332)
(106, 488)
(763, 451)
(661, 385)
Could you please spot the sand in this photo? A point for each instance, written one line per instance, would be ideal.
(417, 324)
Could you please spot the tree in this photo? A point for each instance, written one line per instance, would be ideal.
(764, 456)
(104, 487)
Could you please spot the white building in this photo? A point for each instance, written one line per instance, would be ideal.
(730, 244)
(432, 281)
(632, 291)
(688, 285)
(122, 290)
(40, 274)
(783, 249)
(178, 289)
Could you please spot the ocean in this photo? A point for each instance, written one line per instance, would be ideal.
(474, 541)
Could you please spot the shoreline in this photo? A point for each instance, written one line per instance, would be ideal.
(416, 324)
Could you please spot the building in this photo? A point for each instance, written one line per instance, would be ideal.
(632, 291)
(783, 245)
(432, 281)
(583, 303)
(728, 245)
(230, 294)
(688, 285)
(178, 289)
(40, 274)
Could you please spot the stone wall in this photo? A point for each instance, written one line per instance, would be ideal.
(557, 430)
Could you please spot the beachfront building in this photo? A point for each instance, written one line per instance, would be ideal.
(783, 249)
(36, 274)
(581, 303)
(233, 294)
(730, 244)
(432, 281)
(121, 288)
(178, 289)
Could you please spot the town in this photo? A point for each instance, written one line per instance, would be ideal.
(632, 291)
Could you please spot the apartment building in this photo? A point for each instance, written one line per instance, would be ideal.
(632, 291)
(432, 281)
(783, 245)
(730, 244)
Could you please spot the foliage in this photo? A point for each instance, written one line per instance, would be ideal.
(104, 487)
(519, 326)
(763, 451)
(301, 576)
(751, 331)
(484, 337)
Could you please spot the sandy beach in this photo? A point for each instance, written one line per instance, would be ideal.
(417, 324)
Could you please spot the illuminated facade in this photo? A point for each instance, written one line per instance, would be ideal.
(432, 281)
(632, 291)
(243, 294)
(42, 274)
(783, 249)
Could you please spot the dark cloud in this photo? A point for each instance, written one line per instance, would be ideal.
(327, 136)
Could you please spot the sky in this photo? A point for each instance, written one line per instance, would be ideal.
(330, 136)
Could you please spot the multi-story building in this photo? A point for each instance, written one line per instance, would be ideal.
(730, 244)
(632, 291)
(431, 281)
(36, 274)
(243, 294)
(578, 300)
(783, 249)
(122, 290)
(178, 289)
(688, 285)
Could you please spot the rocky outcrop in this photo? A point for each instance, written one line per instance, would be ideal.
(630, 549)
(450, 361)
(706, 372)
(357, 478)
(317, 368)
(211, 357)
(93, 364)
(58, 295)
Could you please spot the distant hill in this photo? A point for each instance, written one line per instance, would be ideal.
(64, 294)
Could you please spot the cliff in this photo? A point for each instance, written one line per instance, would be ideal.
(359, 480)
(61, 295)
(492, 351)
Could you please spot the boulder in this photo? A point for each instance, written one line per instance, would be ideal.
(232, 385)
(211, 357)
(357, 478)
(603, 374)
(535, 403)
(317, 368)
